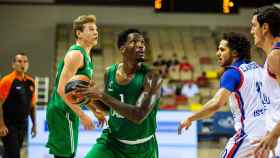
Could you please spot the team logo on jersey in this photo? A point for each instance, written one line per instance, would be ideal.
(110, 86)
(264, 98)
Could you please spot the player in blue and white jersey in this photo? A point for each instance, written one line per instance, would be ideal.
(241, 85)
(266, 32)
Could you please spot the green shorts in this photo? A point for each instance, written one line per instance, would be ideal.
(63, 132)
(108, 147)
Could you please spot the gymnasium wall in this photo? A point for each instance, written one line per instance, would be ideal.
(31, 28)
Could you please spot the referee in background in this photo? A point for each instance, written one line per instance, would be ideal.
(17, 101)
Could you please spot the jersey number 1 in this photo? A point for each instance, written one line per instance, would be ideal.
(122, 97)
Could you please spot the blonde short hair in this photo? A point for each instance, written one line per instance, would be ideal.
(78, 23)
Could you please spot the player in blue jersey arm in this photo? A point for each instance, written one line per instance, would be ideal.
(241, 84)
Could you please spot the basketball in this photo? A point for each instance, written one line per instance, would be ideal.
(72, 85)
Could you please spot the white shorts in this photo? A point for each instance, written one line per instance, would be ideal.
(238, 146)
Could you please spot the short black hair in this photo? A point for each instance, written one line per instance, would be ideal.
(18, 53)
(270, 15)
(122, 37)
(239, 43)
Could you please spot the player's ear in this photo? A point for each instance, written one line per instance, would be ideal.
(235, 54)
(78, 32)
(265, 28)
(122, 49)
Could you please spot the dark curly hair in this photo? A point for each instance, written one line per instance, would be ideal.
(271, 16)
(122, 37)
(239, 43)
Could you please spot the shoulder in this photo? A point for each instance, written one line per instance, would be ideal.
(274, 55)
(110, 68)
(73, 56)
(8, 78)
(231, 72)
(273, 60)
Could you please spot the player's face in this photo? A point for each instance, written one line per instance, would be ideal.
(21, 64)
(224, 54)
(135, 47)
(256, 31)
(89, 34)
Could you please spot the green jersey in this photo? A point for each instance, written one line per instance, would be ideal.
(119, 126)
(86, 70)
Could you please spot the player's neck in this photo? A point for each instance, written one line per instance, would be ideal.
(20, 74)
(129, 67)
(84, 45)
(234, 60)
(269, 42)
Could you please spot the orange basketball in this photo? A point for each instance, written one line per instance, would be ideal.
(70, 87)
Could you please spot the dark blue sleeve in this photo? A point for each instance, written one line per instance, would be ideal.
(230, 79)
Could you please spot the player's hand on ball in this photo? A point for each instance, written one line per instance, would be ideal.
(91, 91)
(186, 123)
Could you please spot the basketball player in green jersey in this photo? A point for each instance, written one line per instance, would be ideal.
(62, 116)
(132, 93)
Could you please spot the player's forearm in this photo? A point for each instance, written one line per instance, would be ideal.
(131, 112)
(101, 106)
(91, 107)
(146, 103)
(1, 114)
(74, 107)
(33, 115)
(276, 131)
(208, 110)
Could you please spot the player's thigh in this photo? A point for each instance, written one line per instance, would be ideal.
(62, 132)
(100, 150)
(241, 148)
(148, 149)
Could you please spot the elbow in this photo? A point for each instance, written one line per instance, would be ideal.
(217, 106)
(138, 117)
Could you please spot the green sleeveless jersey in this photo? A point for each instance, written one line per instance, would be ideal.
(119, 126)
(86, 70)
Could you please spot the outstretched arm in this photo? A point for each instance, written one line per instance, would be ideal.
(209, 109)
